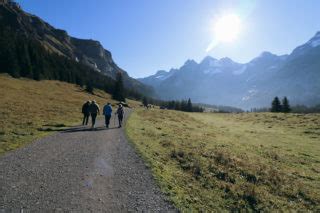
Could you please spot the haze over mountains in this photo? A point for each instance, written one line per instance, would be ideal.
(248, 85)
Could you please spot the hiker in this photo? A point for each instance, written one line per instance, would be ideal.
(94, 111)
(120, 113)
(85, 112)
(107, 112)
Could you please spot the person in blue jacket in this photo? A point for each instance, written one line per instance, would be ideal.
(107, 112)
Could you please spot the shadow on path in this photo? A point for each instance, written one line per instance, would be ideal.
(85, 129)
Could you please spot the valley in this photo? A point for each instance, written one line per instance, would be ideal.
(195, 138)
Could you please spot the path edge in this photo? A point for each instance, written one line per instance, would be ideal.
(147, 163)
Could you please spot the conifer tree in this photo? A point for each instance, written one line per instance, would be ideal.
(189, 105)
(145, 101)
(89, 88)
(276, 105)
(285, 105)
(118, 92)
(79, 81)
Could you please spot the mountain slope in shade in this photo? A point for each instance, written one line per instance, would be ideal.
(253, 84)
(86, 51)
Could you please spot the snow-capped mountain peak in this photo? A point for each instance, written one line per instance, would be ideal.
(251, 84)
(161, 72)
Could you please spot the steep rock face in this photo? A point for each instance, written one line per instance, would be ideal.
(86, 51)
(93, 54)
(253, 84)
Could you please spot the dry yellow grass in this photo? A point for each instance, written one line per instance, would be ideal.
(30, 109)
(232, 162)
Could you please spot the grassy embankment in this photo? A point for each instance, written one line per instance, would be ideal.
(32, 109)
(232, 161)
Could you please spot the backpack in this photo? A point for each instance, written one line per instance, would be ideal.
(94, 108)
(120, 112)
(85, 108)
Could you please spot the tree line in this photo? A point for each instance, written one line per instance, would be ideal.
(277, 106)
(305, 109)
(182, 105)
(21, 56)
(294, 109)
(285, 107)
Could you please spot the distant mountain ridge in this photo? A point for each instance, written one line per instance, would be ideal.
(86, 51)
(248, 85)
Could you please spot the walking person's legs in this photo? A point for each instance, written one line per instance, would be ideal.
(107, 120)
(93, 117)
(120, 120)
(109, 117)
(84, 119)
(87, 119)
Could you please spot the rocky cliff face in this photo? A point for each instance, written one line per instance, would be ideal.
(86, 51)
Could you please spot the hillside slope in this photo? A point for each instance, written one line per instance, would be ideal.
(30, 109)
(84, 51)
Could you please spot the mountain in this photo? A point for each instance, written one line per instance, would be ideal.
(247, 85)
(56, 41)
(157, 78)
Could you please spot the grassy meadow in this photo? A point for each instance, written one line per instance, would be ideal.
(230, 162)
(31, 109)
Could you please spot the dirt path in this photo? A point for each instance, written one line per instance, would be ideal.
(79, 170)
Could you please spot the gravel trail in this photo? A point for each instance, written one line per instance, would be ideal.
(79, 170)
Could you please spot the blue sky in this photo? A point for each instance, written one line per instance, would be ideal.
(148, 35)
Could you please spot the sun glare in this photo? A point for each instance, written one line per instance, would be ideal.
(227, 28)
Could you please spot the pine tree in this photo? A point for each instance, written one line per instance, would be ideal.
(24, 59)
(285, 105)
(189, 105)
(79, 81)
(145, 101)
(276, 105)
(119, 92)
(89, 88)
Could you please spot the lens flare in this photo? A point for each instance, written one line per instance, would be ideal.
(227, 28)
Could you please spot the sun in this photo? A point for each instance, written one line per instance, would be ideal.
(227, 28)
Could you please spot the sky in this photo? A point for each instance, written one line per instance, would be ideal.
(145, 36)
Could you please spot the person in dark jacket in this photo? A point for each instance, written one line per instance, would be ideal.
(94, 111)
(120, 113)
(107, 112)
(85, 112)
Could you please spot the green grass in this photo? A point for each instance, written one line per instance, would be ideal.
(225, 162)
(32, 109)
